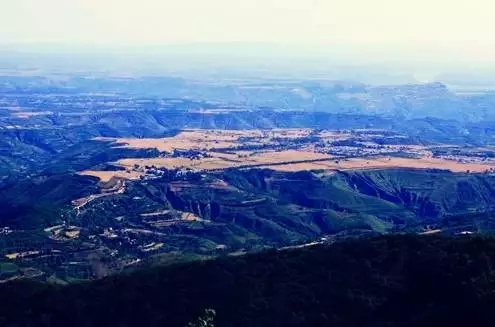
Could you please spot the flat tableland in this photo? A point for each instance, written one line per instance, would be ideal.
(284, 150)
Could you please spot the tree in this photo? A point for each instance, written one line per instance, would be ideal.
(205, 320)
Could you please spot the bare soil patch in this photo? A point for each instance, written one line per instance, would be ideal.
(283, 150)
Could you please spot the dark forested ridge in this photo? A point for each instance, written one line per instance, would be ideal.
(384, 281)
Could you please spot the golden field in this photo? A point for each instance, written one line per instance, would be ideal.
(220, 149)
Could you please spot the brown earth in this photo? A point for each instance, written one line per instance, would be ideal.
(283, 160)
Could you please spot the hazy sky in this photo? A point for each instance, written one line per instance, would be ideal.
(461, 28)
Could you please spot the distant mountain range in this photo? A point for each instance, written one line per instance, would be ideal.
(408, 101)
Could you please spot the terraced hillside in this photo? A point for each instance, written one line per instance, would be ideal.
(231, 212)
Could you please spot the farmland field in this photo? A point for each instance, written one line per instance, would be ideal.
(283, 150)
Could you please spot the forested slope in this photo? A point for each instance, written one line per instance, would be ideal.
(385, 281)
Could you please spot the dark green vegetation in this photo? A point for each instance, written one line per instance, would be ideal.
(46, 136)
(237, 211)
(385, 281)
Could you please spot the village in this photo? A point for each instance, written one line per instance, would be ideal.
(288, 150)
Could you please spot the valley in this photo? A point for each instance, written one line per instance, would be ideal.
(98, 182)
(247, 163)
(200, 215)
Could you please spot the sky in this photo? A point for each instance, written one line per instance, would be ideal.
(433, 29)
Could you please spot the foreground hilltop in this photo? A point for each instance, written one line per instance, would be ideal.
(384, 281)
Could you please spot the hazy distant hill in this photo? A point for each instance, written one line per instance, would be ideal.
(405, 101)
